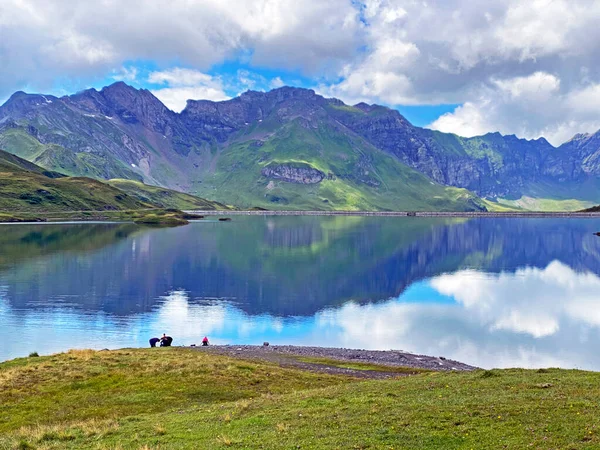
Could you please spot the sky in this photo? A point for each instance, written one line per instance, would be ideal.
(463, 66)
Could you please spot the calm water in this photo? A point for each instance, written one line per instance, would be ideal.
(490, 292)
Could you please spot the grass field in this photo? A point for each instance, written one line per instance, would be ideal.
(180, 398)
(162, 197)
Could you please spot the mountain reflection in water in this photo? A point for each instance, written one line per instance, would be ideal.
(489, 292)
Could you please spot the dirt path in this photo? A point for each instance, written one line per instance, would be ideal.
(360, 363)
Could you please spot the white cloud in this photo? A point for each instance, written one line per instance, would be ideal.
(502, 60)
(276, 82)
(128, 74)
(186, 84)
(176, 98)
(180, 77)
(45, 39)
(530, 106)
(535, 87)
(466, 120)
(514, 66)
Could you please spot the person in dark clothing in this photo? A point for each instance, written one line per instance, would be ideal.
(205, 341)
(154, 341)
(165, 341)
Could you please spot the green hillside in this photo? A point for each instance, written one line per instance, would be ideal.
(356, 175)
(222, 156)
(174, 398)
(293, 149)
(56, 158)
(28, 192)
(25, 187)
(162, 197)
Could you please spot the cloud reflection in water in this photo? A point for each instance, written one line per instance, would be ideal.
(530, 318)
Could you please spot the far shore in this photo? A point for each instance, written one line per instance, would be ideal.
(572, 214)
(119, 216)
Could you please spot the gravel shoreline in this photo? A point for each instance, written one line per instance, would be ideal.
(472, 214)
(286, 355)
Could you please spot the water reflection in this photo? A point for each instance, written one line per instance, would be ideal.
(493, 293)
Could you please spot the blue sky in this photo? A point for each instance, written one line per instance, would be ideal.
(524, 68)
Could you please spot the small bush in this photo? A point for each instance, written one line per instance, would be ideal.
(489, 374)
(34, 355)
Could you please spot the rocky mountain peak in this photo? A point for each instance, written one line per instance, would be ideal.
(119, 87)
(580, 137)
(21, 103)
(365, 107)
(287, 92)
(136, 105)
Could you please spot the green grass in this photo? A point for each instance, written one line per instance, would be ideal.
(178, 398)
(362, 177)
(59, 159)
(150, 216)
(165, 198)
(544, 204)
(30, 193)
(20, 143)
(84, 164)
(166, 218)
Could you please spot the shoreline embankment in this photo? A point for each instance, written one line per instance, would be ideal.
(472, 214)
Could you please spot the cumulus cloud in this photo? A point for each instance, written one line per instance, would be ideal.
(44, 39)
(531, 107)
(186, 84)
(128, 74)
(529, 68)
(522, 68)
(276, 82)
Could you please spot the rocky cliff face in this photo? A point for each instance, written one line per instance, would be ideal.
(131, 134)
(490, 165)
(293, 173)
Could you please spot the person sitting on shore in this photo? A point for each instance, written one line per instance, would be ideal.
(205, 341)
(165, 341)
(154, 341)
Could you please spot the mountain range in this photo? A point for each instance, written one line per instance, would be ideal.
(293, 149)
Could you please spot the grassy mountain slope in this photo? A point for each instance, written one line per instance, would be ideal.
(174, 398)
(212, 149)
(121, 132)
(27, 188)
(537, 176)
(356, 176)
(162, 197)
(493, 166)
(57, 158)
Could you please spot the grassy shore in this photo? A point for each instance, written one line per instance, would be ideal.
(181, 398)
(150, 216)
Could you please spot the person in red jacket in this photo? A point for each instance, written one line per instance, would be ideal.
(205, 341)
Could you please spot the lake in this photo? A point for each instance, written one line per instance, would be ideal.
(492, 292)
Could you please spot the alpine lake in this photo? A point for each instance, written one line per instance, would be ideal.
(491, 292)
